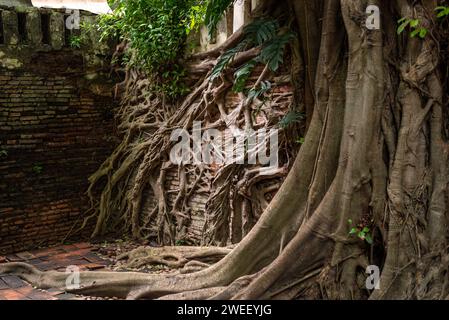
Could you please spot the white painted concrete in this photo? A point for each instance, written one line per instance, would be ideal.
(239, 15)
(95, 6)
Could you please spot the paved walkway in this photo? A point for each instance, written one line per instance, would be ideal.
(56, 258)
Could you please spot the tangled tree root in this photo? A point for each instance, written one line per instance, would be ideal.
(140, 165)
(378, 146)
(132, 285)
(188, 259)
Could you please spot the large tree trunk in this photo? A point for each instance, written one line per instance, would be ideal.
(375, 156)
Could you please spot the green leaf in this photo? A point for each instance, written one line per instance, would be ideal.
(214, 12)
(255, 93)
(290, 118)
(414, 23)
(365, 230)
(262, 30)
(156, 31)
(350, 221)
(242, 75)
(273, 51)
(353, 231)
(369, 239)
(422, 33)
(414, 33)
(443, 11)
(403, 25)
(301, 140)
(225, 59)
(441, 14)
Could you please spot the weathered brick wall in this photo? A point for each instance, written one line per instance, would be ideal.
(56, 128)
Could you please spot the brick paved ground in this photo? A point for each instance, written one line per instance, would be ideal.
(57, 258)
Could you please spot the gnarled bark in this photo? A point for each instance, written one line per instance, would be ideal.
(376, 156)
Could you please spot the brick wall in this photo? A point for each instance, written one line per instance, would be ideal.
(56, 128)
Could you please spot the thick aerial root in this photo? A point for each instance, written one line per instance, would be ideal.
(186, 258)
(131, 285)
(367, 200)
(201, 294)
(137, 186)
(223, 280)
(110, 284)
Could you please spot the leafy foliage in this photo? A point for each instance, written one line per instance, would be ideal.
(443, 11)
(225, 59)
(3, 152)
(290, 118)
(197, 15)
(214, 11)
(260, 90)
(157, 31)
(242, 75)
(415, 26)
(262, 30)
(75, 41)
(180, 242)
(273, 52)
(82, 38)
(362, 232)
(263, 33)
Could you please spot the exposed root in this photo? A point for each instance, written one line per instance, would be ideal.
(369, 186)
(186, 258)
(139, 170)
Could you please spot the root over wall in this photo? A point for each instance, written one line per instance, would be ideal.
(148, 196)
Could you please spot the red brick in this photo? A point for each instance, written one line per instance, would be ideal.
(47, 252)
(13, 282)
(67, 247)
(93, 266)
(25, 290)
(43, 108)
(80, 252)
(13, 295)
(25, 255)
(13, 258)
(83, 245)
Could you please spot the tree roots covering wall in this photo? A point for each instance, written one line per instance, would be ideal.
(155, 199)
(369, 185)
